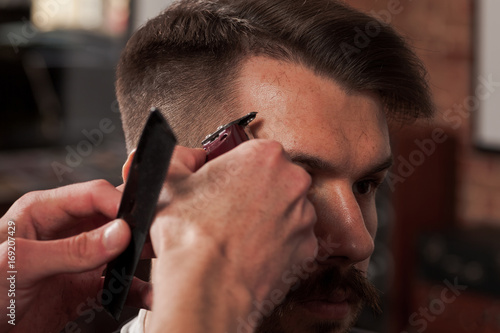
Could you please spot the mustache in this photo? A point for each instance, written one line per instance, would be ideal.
(360, 290)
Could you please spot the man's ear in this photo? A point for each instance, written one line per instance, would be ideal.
(126, 166)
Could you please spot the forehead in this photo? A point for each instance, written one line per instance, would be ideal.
(312, 115)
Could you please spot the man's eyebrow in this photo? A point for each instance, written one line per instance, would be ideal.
(386, 164)
(316, 163)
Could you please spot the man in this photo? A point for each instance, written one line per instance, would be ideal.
(55, 243)
(325, 81)
(227, 261)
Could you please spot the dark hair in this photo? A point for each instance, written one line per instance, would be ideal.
(185, 61)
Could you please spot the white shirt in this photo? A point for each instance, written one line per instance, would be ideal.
(136, 325)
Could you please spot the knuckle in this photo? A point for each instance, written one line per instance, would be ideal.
(190, 161)
(184, 156)
(78, 247)
(302, 179)
(274, 148)
(26, 203)
(266, 148)
(273, 154)
(30, 198)
(99, 184)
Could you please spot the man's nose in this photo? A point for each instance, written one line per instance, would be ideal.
(342, 231)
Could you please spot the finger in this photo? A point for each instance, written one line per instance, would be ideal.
(190, 159)
(82, 200)
(60, 209)
(121, 187)
(140, 294)
(81, 253)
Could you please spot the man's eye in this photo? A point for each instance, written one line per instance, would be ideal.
(366, 186)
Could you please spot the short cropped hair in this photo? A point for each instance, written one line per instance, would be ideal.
(186, 60)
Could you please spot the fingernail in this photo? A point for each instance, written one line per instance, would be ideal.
(113, 237)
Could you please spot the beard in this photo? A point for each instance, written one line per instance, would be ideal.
(323, 286)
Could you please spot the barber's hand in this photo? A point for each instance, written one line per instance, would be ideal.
(229, 231)
(63, 238)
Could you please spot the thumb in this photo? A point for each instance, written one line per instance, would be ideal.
(80, 253)
(190, 158)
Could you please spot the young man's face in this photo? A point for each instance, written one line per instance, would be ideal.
(342, 141)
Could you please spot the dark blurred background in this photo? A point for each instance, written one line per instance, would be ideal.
(437, 259)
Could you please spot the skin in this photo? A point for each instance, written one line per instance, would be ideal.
(212, 266)
(210, 258)
(342, 141)
(63, 239)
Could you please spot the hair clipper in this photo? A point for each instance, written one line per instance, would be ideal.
(228, 136)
